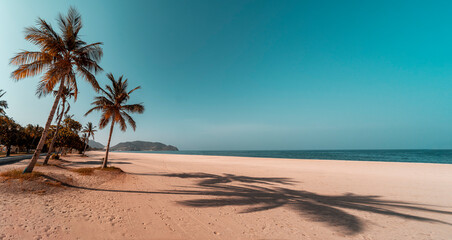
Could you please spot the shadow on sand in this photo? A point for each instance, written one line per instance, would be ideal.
(93, 162)
(261, 194)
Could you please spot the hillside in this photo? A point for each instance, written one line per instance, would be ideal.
(95, 145)
(143, 146)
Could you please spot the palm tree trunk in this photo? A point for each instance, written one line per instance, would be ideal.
(104, 165)
(8, 150)
(49, 153)
(86, 144)
(42, 141)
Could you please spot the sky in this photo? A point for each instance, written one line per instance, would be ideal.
(258, 75)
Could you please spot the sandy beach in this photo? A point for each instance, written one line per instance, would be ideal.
(165, 196)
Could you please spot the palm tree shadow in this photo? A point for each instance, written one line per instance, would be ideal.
(213, 179)
(262, 194)
(93, 162)
(328, 209)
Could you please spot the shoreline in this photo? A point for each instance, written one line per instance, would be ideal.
(213, 153)
(274, 158)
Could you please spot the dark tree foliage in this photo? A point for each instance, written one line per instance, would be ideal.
(32, 135)
(11, 134)
(72, 125)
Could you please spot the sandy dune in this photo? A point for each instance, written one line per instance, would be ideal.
(210, 197)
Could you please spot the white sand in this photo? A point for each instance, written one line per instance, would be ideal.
(210, 197)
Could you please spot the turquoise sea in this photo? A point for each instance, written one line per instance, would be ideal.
(418, 156)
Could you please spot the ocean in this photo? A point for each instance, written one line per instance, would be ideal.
(416, 156)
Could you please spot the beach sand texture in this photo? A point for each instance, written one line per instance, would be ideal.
(166, 196)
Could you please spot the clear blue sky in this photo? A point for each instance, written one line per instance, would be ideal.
(226, 75)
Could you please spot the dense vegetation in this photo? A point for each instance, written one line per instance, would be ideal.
(26, 138)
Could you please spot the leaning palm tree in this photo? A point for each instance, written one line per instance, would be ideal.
(89, 129)
(112, 104)
(3, 103)
(61, 56)
(65, 106)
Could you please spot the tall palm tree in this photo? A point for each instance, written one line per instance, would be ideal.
(67, 93)
(89, 129)
(61, 56)
(112, 104)
(3, 103)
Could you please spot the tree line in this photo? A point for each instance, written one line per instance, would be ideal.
(70, 135)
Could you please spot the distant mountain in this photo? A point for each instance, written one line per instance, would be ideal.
(143, 146)
(95, 145)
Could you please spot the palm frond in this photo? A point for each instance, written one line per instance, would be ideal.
(130, 120)
(27, 57)
(133, 90)
(97, 108)
(91, 51)
(103, 122)
(134, 108)
(41, 89)
(28, 70)
(3, 103)
(88, 77)
(45, 37)
(122, 123)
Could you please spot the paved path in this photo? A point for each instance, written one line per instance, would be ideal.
(14, 159)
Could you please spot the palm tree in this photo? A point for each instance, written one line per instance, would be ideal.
(112, 104)
(3, 103)
(62, 56)
(67, 93)
(84, 139)
(89, 129)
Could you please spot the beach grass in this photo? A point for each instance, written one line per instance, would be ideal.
(18, 174)
(112, 169)
(84, 171)
(90, 171)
